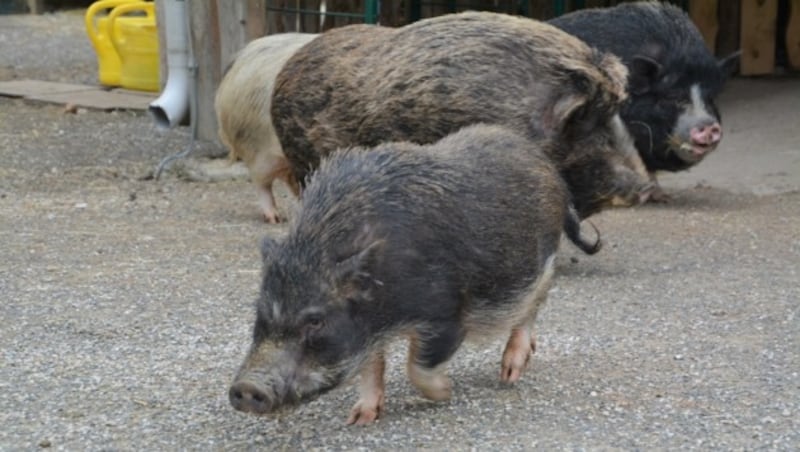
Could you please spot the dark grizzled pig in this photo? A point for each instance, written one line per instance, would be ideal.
(672, 82)
(243, 103)
(363, 85)
(437, 243)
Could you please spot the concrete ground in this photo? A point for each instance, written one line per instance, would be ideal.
(128, 302)
(760, 152)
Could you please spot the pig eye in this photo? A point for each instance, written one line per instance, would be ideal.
(313, 322)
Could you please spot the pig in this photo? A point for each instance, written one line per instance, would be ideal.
(242, 104)
(672, 82)
(438, 243)
(362, 85)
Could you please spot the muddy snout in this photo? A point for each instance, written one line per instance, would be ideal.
(251, 397)
(697, 137)
(264, 382)
(706, 135)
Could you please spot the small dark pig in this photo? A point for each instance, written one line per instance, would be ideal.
(363, 85)
(672, 82)
(437, 243)
(242, 105)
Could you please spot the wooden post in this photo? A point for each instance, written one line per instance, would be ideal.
(542, 9)
(240, 21)
(729, 24)
(704, 15)
(217, 30)
(793, 34)
(205, 41)
(36, 6)
(758, 36)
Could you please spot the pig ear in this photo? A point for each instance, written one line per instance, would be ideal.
(268, 247)
(728, 64)
(353, 274)
(644, 71)
(554, 120)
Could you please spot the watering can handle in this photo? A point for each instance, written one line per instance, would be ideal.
(147, 7)
(91, 24)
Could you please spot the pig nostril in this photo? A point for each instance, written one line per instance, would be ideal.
(706, 136)
(246, 396)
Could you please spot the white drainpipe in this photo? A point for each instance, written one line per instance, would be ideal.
(171, 107)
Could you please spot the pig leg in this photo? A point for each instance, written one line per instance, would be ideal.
(264, 171)
(522, 342)
(371, 387)
(428, 352)
(658, 195)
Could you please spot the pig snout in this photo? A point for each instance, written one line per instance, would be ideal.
(698, 130)
(266, 382)
(705, 136)
(251, 397)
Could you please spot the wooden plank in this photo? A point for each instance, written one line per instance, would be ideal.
(36, 6)
(542, 9)
(78, 95)
(758, 36)
(793, 34)
(595, 3)
(240, 21)
(729, 23)
(704, 16)
(205, 38)
(98, 99)
(232, 32)
(256, 22)
(24, 88)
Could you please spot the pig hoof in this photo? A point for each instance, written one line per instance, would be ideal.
(516, 356)
(659, 196)
(365, 412)
(513, 367)
(433, 384)
(271, 218)
(439, 388)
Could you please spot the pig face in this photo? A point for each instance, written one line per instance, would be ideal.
(611, 174)
(671, 112)
(307, 338)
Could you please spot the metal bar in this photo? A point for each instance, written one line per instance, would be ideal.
(559, 7)
(371, 12)
(315, 12)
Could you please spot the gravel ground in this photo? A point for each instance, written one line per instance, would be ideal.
(128, 307)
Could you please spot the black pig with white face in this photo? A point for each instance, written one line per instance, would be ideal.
(672, 83)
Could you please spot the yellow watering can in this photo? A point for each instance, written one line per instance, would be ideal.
(135, 38)
(108, 63)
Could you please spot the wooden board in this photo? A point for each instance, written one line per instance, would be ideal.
(793, 34)
(78, 95)
(36, 6)
(729, 22)
(205, 37)
(704, 16)
(24, 88)
(758, 36)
